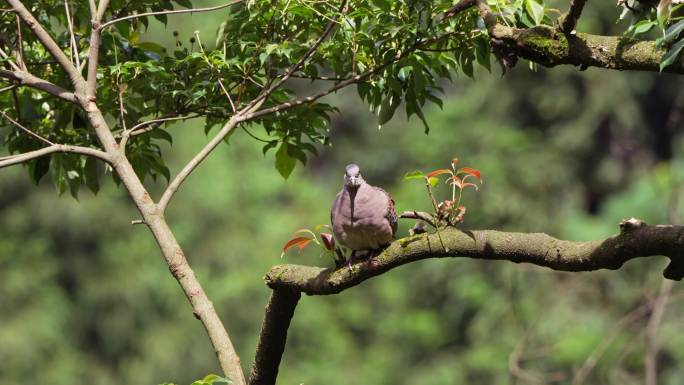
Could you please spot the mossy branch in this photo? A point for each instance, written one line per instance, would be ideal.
(550, 47)
(636, 239)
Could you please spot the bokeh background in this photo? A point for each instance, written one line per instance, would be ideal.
(85, 297)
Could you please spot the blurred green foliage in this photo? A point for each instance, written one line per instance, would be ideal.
(86, 297)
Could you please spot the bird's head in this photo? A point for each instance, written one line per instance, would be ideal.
(352, 176)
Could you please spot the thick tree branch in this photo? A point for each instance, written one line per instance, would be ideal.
(569, 21)
(48, 42)
(635, 239)
(551, 47)
(26, 79)
(279, 312)
(173, 254)
(459, 7)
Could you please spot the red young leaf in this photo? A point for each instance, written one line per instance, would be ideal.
(454, 180)
(438, 172)
(328, 241)
(296, 241)
(303, 244)
(470, 171)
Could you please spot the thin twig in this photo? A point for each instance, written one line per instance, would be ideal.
(23, 128)
(570, 19)
(25, 78)
(172, 12)
(327, 78)
(8, 88)
(11, 62)
(328, 29)
(660, 303)
(48, 42)
(514, 365)
(27, 156)
(651, 332)
(254, 136)
(583, 372)
(142, 128)
(74, 47)
(218, 73)
(20, 46)
(421, 215)
(353, 80)
(122, 118)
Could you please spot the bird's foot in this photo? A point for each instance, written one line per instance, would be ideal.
(351, 260)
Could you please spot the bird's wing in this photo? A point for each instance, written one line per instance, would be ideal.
(334, 207)
(391, 214)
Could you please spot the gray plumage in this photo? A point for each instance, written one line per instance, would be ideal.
(363, 216)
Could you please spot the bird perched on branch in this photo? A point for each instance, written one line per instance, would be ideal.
(363, 216)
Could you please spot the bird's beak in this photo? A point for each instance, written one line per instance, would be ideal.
(354, 180)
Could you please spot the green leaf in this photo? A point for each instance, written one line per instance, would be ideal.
(420, 114)
(38, 168)
(212, 379)
(283, 161)
(641, 27)
(220, 36)
(535, 10)
(59, 177)
(663, 12)
(90, 174)
(414, 175)
(161, 134)
(388, 107)
(269, 146)
(672, 32)
(483, 53)
(671, 55)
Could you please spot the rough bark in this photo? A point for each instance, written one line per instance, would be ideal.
(635, 239)
(550, 47)
(279, 312)
(85, 96)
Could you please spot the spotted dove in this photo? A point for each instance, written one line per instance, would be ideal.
(363, 216)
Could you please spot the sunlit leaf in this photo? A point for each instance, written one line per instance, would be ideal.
(673, 32)
(283, 161)
(671, 55)
(438, 172)
(294, 242)
(414, 175)
(470, 171)
(535, 10)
